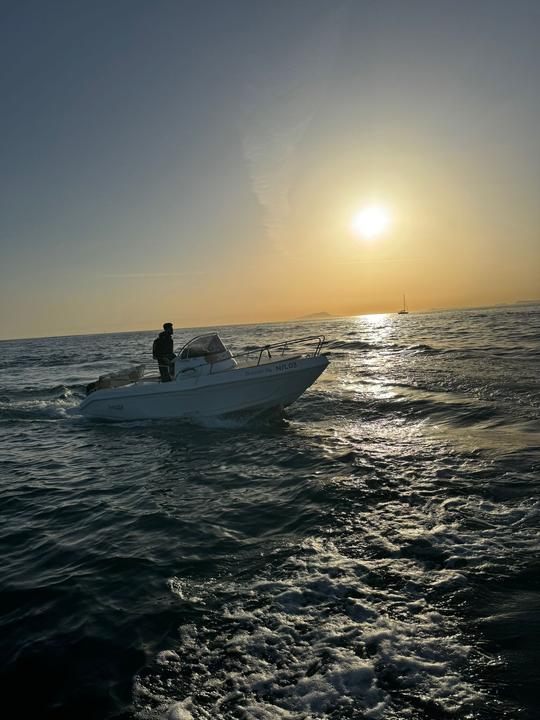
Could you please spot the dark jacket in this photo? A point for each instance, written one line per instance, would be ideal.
(163, 346)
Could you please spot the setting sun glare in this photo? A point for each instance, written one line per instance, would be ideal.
(371, 222)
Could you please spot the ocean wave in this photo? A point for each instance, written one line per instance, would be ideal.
(372, 399)
(459, 351)
(420, 348)
(351, 345)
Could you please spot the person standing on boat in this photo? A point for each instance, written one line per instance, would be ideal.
(163, 352)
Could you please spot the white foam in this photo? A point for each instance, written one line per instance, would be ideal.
(167, 656)
(179, 711)
(318, 641)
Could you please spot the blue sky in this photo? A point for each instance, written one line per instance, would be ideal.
(199, 160)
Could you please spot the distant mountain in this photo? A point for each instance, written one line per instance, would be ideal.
(316, 316)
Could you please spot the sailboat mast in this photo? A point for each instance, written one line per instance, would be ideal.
(403, 310)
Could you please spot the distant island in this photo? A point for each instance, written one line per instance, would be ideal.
(516, 302)
(316, 316)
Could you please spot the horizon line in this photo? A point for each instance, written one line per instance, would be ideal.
(303, 318)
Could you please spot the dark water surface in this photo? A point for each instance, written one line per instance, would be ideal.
(375, 554)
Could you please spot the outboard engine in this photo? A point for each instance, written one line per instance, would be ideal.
(126, 376)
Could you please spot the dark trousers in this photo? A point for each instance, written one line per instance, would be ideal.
(164, 369)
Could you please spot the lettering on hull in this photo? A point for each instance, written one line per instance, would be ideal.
(286, 366)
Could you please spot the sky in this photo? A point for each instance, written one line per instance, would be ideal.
(200, 162)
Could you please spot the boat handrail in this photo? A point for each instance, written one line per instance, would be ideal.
(283, 346)
(259, 351)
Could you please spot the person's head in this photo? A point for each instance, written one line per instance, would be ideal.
(168, 328)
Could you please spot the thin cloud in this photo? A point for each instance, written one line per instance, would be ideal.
(375, 261)
(279, 109)
(152, 274)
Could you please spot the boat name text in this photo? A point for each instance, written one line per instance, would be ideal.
(285, 366)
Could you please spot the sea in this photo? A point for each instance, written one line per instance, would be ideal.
(372, 553)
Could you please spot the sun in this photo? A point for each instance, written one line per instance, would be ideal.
(371, 222)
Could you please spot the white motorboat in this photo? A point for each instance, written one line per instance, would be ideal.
(208, 382)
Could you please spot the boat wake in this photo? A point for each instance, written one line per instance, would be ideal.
(319, 640)
(53, 403)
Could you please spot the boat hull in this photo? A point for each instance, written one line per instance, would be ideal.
(252, 389)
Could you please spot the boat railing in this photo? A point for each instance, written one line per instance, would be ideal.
(279, 349)
(259, 353)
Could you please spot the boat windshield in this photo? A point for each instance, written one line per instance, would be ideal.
(203, 346)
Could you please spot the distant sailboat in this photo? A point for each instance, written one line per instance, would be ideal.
(404, 310)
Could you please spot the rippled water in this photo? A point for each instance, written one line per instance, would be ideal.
(374, 554)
